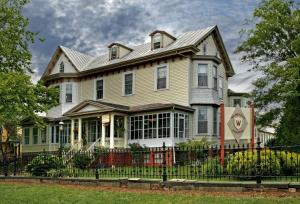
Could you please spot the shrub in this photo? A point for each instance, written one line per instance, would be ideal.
(82, 161)
(212, 167)
(43, 163)
(244, 163)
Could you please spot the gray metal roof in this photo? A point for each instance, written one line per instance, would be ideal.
(79, 59)
(85, 62)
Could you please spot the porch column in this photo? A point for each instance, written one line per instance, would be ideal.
(112, 132)
(126, 131)
(79, 132)
(72, 132)
(103, 134)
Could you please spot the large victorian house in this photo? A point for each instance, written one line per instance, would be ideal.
(168, 90)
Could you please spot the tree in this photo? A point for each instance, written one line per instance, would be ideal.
(272, 46)
(15, 37)
(20, 99)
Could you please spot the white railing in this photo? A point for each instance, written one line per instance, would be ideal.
(70, 154)
(92, 146)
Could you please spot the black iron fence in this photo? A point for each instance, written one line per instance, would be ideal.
(198, 163)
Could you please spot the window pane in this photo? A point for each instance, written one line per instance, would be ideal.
(68, 92)
(43, 136)
(237, 102)
(128, 83)
(35, 134)
(161, 77)
(215, 77)
(99, 89)
(113, 54)
(202, 74)
(163, 125)
(221, 92)
(202, 119)
(26, 135)
(215, 120)
(61, 67)
(156, 41)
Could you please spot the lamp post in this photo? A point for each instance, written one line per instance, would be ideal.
(16, 145)
(61, 128)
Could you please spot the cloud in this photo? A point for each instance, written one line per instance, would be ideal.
(89, 26)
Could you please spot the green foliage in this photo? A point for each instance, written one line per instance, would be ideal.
(273, 163)
(193, 143)
(272, 47)
(15, 37)
(43, 163)
(137, 153)
(212, 167)
(82, 161)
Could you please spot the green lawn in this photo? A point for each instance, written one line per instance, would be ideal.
(31, 194)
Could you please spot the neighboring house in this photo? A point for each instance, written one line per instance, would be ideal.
(168, 90)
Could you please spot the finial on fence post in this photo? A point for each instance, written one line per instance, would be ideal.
(258, 164)
(164, 175)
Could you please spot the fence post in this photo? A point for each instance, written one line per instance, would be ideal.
(164, 175)
(258, 164)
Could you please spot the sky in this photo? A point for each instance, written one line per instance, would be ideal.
(89, 26)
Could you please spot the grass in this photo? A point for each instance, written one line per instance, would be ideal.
(48, 194)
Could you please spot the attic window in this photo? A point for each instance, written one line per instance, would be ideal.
(156, 41)
(62, 67)
(113, 53)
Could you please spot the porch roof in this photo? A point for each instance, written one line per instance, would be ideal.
(89, 107)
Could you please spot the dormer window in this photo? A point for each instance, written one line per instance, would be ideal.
(62, 67)
(156, 41)
(113, 53)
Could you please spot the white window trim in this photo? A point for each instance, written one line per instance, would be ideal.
(155, 77)
(222, 83)
(117, 54)
(95, 89)
(123, 83)
(207, 74)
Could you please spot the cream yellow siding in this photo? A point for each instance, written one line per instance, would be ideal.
(144, 92)
(166, 40)
(123, 51)
(211, 48)
(68, 67)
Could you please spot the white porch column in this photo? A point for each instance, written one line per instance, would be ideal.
(103, 134)
(126, 131)
(112, 132)
(79, 132)
(72, 132)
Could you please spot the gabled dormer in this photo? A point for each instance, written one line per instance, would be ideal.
(117, 51)
(160, 39)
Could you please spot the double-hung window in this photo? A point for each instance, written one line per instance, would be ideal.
(62, 67)
(215, 121)
(99, 89)
(128, 84)
(26, 136)
(202, 75)
(43, 135)
(113, 53)
(35, 135)
(69, 93)
(162, 77)
(202, 120)
(215, 77)
(221, 91)
(237, 101)
(156, 41)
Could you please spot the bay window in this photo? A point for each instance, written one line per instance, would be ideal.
(215, 77)
(26, 136)
(202, 75)
(215, 121)
(202, 120)
(221, 91)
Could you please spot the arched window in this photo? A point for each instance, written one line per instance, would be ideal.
(62, 67)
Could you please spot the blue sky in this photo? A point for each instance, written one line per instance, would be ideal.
(89, 26)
